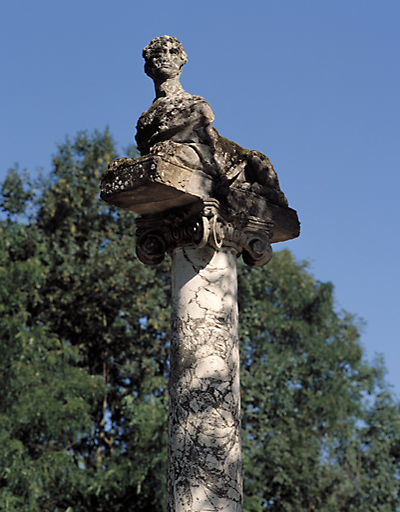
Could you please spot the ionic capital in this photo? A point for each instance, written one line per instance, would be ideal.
(204, 224)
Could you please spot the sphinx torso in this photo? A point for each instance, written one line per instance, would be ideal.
(178, 127)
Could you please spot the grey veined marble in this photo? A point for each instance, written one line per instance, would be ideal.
(204, 463)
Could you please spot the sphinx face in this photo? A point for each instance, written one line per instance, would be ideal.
(164, 62)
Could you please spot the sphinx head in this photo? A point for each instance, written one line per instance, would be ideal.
(164, 58)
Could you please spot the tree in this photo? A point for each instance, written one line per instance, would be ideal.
(84, 332)
(311, 435)
(100, 317)
(46, 397)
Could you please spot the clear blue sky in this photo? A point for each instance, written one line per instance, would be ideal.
(314, 84)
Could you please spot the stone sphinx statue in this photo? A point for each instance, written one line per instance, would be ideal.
(178, 126)
(190, 185)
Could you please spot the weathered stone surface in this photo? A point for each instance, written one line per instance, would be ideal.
(185, 161)
(178, 127)
(153, 184)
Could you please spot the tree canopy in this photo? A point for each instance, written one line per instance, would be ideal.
(84, 331)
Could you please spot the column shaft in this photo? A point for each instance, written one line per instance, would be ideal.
(204, 464)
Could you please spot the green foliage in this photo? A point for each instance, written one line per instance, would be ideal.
(305, 420)
(15, 192)
(46, 397)
(84, 366)
(84, 345)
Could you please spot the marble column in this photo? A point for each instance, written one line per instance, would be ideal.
(204, 462)
(203, 224)
(203, 200)
(204, 236)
